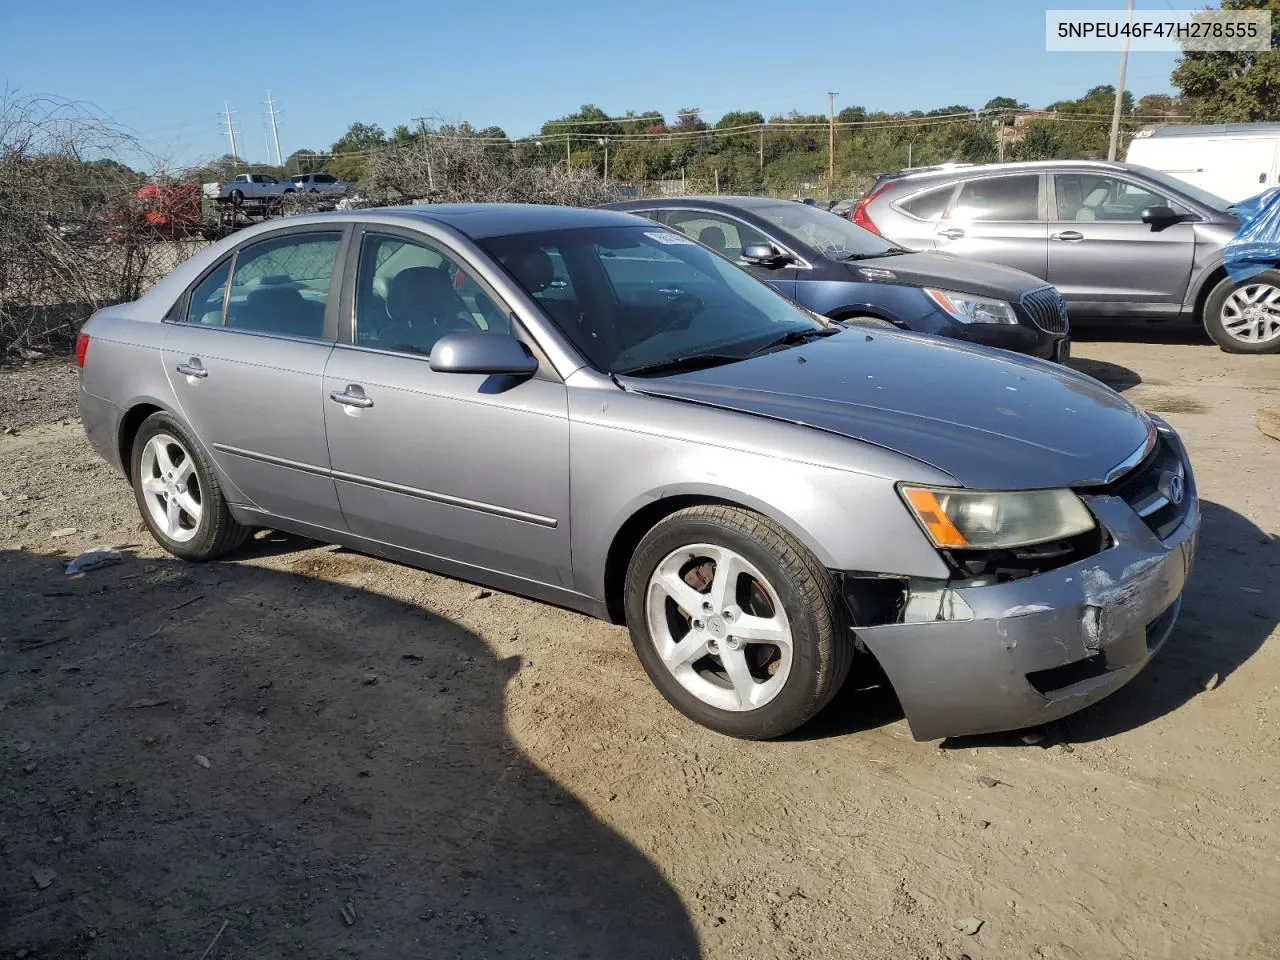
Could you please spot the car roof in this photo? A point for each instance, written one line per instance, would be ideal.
(481, 220)
(1207, 129)
(990, 169)
(710, 202)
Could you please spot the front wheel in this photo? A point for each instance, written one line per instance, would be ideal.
(736, 623)
(178, 492)
(1245, 317)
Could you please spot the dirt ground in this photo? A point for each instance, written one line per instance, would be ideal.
(217, 761)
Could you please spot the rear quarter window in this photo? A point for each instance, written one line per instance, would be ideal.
(928, 205)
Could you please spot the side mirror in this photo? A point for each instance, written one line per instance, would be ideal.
(764, 255)
(480, 352)
(1160, 217)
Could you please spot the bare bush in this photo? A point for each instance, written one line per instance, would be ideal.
(69, 237)
(461, 170)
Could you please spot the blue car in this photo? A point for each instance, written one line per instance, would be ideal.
(842, 271)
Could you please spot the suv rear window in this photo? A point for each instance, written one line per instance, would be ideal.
(996, 199)
(928, 205)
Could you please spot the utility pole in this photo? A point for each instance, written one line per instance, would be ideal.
(275, 129)
(831, 140)
(231, 133)
(762, 148)
(1115, 114)
(568, 157)
(604, 142)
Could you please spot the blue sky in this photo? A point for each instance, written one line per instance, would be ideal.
(165, 68)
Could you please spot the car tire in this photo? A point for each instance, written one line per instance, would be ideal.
(1227, 312)
(771, 586)
(178, 494)
(237, 196)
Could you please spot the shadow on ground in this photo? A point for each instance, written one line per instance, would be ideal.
(1109, 331)
(1115, 376)
(231, 753)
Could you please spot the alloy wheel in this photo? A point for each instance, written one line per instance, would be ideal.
(1251, 314)
(719, 627)
(171, 487)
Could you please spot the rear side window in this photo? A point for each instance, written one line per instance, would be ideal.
(205, 305)
(280, 285)
(928, 205)
(999, 199)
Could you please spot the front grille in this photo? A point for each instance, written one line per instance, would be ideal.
(1046, 308)
(1146, 488)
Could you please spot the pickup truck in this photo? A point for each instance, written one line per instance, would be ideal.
(248, 186)
(319, 183)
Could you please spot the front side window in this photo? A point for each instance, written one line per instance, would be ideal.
(726, 236)
(409, 295)
(998, 199)
(280, 285)
(832, 236)
(645, 296)
(1088, 197)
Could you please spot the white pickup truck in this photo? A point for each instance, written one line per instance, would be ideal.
(248, 186)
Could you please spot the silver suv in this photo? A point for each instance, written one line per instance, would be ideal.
(1117, 240)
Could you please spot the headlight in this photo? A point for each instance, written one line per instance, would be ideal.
(967, 308)
(982, 520)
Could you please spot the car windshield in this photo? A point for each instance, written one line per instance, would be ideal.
(831, 236)
(631, 298)
(1203, 197)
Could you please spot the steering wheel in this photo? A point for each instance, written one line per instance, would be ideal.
(684, 308)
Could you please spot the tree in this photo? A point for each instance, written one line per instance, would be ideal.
(1157, 105)
(1038, 142)
(1234, 86)
(303, 161)
(1004, 103)
(360, 136)
(739, 118)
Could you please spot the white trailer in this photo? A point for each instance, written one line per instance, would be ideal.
(1233, 160)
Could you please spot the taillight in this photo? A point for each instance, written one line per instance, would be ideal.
(82, 349)
(860, 216)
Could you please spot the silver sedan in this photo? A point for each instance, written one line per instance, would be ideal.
(582, 407)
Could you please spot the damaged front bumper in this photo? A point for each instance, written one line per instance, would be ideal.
(1036, 649)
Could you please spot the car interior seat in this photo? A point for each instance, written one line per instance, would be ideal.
(278, 306)
(422, 306)
(712, 237)
(1089, 209)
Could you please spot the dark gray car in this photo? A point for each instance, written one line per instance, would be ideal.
(834, 268)
(513, 396)
(1117, 240)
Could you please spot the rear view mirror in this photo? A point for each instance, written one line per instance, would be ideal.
(1160, 217)
(764, 255)
(480, 352)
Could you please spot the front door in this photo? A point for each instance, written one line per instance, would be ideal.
(1000, 220)
(1101, 251)
(465, 467)
(246, 362)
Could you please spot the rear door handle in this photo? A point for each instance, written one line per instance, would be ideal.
(352, 396)
(951, 233)
(192, 368)
(1067, 236)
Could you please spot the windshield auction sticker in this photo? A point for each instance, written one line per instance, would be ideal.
(670, 239)
(1175, 30)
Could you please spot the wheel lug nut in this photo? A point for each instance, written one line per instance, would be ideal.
(706, 606)
(728, 615)
(697, 624)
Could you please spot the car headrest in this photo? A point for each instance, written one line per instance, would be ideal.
(417, 293)
(712, 237)
(533, 269)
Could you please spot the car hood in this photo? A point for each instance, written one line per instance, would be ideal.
(946, 272)
(991, 419)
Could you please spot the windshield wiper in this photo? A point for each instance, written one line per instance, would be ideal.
(793, 337)
(891, 252)
(692, 361)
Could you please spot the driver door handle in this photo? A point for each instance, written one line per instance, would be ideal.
(352, 396)
(951, 233)
(1067, 236)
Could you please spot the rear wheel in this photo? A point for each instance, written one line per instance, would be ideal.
(736, 622)
(1245, 317)
(178, 493)
(237, 197)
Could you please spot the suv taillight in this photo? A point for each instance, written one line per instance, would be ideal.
(860, 216)
(82, 349)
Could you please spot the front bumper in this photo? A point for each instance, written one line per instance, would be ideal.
(1040, 648)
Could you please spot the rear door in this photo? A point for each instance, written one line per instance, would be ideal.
(1101, 251)
(1000, 220)
(245, 355)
